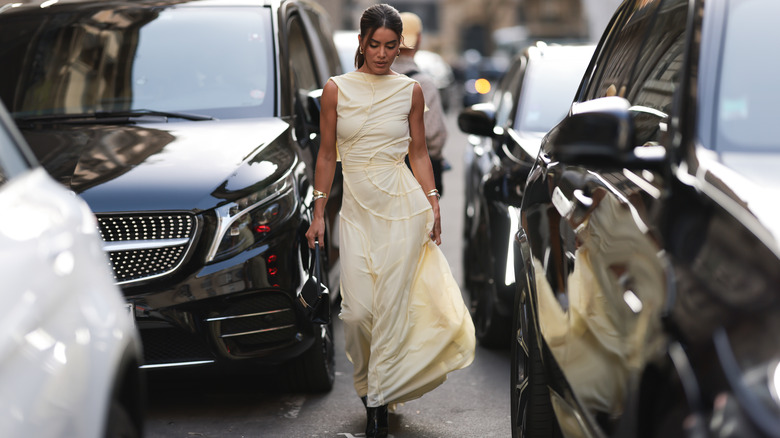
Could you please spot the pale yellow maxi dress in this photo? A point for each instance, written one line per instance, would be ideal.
(405, 323)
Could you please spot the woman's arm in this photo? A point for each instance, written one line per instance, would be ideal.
(326, 160)
(419, 159)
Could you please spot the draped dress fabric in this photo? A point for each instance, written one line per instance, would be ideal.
(405, 323)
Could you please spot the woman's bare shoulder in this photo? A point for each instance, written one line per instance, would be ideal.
(331, 84)
(330, 93)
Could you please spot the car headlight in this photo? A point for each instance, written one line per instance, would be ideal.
(251, 219)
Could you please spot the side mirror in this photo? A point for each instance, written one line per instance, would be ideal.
(602, 132)
(478, 119)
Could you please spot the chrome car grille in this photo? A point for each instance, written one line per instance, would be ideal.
(142, 247)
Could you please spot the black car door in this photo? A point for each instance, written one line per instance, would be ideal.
(590, 213)
(308, 59)
(304, 79)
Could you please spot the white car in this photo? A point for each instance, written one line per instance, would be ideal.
(69, 352)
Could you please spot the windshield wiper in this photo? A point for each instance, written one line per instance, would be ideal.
(110, 116)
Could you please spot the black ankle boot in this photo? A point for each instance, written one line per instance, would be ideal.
(382, 421)
(377, 422)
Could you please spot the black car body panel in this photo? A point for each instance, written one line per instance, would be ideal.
(533, 95)
(142, 167)
(191, 129)
(648, 257)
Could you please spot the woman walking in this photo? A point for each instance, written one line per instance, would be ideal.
(405, 323)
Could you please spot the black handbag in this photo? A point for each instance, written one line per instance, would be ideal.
(314, 299)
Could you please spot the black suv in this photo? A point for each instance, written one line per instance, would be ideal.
(191, 130)
(648, 267)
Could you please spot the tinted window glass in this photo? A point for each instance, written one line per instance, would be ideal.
(304, 76)
(505, 96)
(748, 93)
(216, 61)
(617, 60)
(548, 90)
(325, 33)
(301, 58)
(657, 75)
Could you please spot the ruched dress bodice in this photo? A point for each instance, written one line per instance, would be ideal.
(373, 139)
(406, 325)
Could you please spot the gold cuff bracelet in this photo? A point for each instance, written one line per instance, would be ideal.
(318, 194)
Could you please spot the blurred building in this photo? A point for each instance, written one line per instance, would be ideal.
(453, 26)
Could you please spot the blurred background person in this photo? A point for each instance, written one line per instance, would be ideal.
(435, 128)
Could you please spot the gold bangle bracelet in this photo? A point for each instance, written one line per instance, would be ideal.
(318, 194)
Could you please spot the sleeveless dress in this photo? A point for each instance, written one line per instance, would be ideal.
(405, 323)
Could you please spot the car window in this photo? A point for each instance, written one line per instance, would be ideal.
(506, 92)
(324, 33)
(548, 91)
(304, 79)
(657, 75)
(643, 65)
(301, 59)
(747, 90)
(216, 61)
(616, 62)
(180, 65)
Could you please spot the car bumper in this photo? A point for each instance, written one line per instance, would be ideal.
(226, 312)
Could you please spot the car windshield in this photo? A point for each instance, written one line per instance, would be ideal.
(548, 91)
(748, 94)
(212, 61)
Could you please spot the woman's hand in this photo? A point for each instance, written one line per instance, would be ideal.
(436, 232)
(316, 231)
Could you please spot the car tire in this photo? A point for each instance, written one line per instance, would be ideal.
(120, 423)
(315, 370)
(532, 414)
(492, 328)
